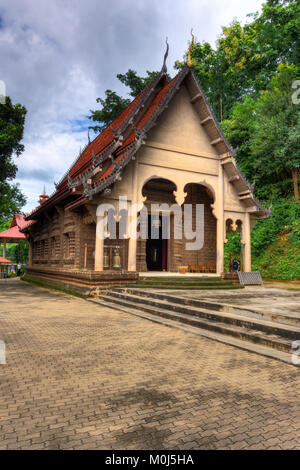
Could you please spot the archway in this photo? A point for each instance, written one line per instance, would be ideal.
(160, 253)
(155, 253)
(201, 259)
(234, 248)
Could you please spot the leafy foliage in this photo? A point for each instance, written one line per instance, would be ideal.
(17, 252)
(246, 57)
(266, 131)
(113, 104)
(21, 252)
(281, 260)
(232, 247)
(12, 119)
(134, 82)
(285, 219)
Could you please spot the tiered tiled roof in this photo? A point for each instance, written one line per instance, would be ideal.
(99, 166)
(117, 144)
(17, 225)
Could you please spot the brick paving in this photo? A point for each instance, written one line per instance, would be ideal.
(81, 376)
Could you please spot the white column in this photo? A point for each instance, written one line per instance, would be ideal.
(132, 254)
(99, 244)
(219, 206)
(132, 219)
(4, 248)
(247, 241)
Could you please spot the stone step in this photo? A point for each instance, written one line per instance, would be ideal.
(184, 282)
(178, 279)
(186, 286)
(278, 337)
(188, 282)
(289, 332)
(243, 311)
(238, 337)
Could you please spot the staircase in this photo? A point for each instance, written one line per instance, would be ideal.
(185, 282)
(260, 332)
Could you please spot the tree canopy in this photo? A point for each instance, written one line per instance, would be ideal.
(247, 56)
(12, 119)
(266, 131)
(113, 104)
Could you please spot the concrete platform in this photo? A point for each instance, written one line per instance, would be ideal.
(169, 274)
(272, 300)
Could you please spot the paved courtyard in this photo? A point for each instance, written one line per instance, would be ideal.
(80, 376)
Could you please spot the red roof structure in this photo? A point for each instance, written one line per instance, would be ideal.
(5, 261)
(14, 233)
(115, 146)
(100, 163)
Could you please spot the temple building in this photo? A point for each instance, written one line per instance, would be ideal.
(166, 148)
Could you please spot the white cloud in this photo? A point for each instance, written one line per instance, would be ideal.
(58, 56)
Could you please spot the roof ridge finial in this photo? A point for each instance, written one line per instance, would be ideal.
(164, 67)
(189, 57)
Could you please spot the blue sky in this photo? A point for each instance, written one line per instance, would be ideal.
(58, 56)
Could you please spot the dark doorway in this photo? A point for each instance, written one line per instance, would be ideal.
(156, 246)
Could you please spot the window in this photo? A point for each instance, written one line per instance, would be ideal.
(42, 253)
(69, 245)
(66, 245)
(52, 247)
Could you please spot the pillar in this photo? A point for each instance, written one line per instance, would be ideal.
(219, 209)
(132, 220)
(4, 248)
(30, 254)
(247, 243)
(99, 244)
(132, 253)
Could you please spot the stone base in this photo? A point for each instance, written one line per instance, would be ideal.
(233, 277)
(84, 282)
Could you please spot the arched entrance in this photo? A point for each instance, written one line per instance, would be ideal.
(155, 253)
(164, 250)
(203, 259)
(234, 247)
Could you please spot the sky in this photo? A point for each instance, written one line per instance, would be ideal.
(58, 56)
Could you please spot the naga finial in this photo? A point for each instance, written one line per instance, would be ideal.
(189, 57)
(164, 67)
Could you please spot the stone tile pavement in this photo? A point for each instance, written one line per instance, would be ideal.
(83, 376)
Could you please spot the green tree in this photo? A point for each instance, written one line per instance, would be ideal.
(246, 57)
(20, 252)
(275, 140)
(266, 131)
(12, 119)
(134, 82)
(113, 104)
